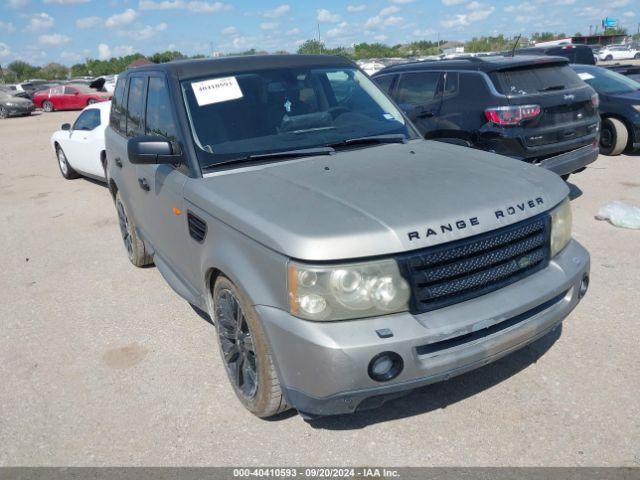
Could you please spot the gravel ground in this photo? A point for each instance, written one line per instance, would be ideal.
(102, 364)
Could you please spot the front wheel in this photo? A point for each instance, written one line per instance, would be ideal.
(613, 137)
(608, 58)
(4, 113)
(91, 101)
(245, 352)
(136, 250)
(66, 170)
(636, 56)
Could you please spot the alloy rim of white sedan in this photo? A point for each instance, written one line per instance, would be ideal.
(62, 160)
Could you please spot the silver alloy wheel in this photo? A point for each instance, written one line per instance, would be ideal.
(62, 161)
(125, 229)
(47, 106)
(3, 112)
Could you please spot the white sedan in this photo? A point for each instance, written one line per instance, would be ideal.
(618, 52)
(79, 148)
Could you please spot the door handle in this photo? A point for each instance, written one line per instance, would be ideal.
(118, 162)
(143, 184)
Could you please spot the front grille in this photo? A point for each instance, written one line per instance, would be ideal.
(457, 271)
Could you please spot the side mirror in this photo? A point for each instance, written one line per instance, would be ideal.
(66, 126)
(151, 150)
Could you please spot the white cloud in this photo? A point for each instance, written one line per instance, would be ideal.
(17, 3)
(523, 7)
(104, 52)
(474, 5)
(39, 22)
(380, 22)
(464, 19)
(121, 19)
(5, 51)
(268, 25)
(278, 11)
(338, 30)
(325, 16)
(7, 27)
(402, 2)
(89, 22)
(70, 56)
(161, 5)
(629, 14)
(122, 50)
(293, 31)
(229, 30)
(144, 32)
(240, 42)
(53, 39)
(619, 3)
(427, 32)
(356, 8)
(208, 7)
(449, 3)
(380, 38)
(66, 2)
(385, 12)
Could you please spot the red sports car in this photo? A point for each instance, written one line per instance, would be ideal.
(68, 97)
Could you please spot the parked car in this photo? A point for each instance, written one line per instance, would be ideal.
(619, 108)
(628, 70)
(68, 97)
(33, 86)
(79, 148)
(11, 106)
(14, 91)
(618, 52)
(582, 54)
(342, 258)
(534, 109)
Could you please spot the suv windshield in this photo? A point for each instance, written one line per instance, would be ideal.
(287, 110)
(606, 81)
(532, 80)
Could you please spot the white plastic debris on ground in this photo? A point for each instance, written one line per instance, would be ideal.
(620, 214)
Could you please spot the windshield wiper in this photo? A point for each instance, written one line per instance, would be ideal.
(304, 152)
(553, 87)
(375, 139)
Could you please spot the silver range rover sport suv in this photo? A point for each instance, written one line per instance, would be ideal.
(342, 258)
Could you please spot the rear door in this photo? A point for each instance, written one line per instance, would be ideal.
(568, 118)
(423, 90)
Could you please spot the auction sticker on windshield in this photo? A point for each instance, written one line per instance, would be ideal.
(216, 90)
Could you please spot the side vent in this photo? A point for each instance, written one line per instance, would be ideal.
(197, 227)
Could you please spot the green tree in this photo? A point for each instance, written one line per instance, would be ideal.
(23, 70)
(164, 57)
(311, 47)
(54, 71)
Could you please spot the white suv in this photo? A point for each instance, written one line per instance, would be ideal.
(618, 52)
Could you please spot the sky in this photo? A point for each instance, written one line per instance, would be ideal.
(69, 31)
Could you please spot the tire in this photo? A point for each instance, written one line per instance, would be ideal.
(636, 56)
(565, 177)
(245, 351)
(3, 112)
(91, 101)
(614, 137)
(47, 106)
(608, 58)
(66, 169)
(133, 244)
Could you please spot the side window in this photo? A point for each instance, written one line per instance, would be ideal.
(450, 85)
(56, 91)
(135, 106)
(384, 82)
(70, 91)
(118, 117)
(418, 88)
(88, 120)
(159, 119)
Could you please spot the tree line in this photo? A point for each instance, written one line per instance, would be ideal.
(18, 70)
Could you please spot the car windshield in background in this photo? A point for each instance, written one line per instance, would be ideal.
(607, 81)
(288, 110)
(533, 80)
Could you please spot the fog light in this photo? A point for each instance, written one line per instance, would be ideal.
(385, 366)
(584, 286)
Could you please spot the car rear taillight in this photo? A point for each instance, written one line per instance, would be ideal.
(595, 100)
(512, 115)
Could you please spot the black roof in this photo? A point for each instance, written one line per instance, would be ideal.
(184, 69)
(487, 64)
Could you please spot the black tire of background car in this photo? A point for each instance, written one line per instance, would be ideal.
(614, 137)
(47, 106)
(138, 254)
(268, 399)
(70, 173)
(608, 58)
(91, 101)
(637, 56)
(3, 112)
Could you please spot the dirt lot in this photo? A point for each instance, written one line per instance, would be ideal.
(102, 364)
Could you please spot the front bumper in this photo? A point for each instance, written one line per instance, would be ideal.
(322, 366)
(17, 111)
(572, 161)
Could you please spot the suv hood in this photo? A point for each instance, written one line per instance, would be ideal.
(376, 201)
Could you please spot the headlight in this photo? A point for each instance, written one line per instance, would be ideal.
(560, 227)
(10, 104)
(339, 292)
